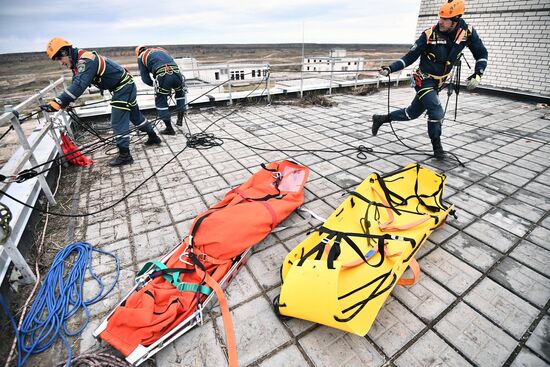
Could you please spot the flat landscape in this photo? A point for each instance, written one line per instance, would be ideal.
(22, 73)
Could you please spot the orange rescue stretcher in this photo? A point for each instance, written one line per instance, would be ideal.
(170, 295)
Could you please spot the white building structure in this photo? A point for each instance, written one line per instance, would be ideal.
(218, 73)
(336, 61)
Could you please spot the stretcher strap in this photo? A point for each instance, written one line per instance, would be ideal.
(389, 226)
(172, 275)
(415, 268)
(227, 322)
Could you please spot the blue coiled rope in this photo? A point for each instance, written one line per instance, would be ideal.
(59, 298)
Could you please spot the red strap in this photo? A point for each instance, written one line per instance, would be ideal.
(415, 268)
(272, 212)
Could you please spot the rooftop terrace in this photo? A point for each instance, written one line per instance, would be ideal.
(482, 299)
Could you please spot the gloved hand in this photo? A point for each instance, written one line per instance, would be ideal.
(473, 81)
(384, 71)
(53, 106)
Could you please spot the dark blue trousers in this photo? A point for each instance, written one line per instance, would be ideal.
(166, 83)
(426, 99)
(125, 109)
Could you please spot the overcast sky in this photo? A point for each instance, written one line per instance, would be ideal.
(27, 25)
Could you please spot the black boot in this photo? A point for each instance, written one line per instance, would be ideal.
(169, 129)
(124, 157)
(153, 139)
(438, 149)
(180, 118)
(377, 121)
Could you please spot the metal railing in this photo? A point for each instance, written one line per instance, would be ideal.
(28, 155)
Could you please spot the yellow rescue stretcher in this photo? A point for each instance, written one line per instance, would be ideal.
(343, 271)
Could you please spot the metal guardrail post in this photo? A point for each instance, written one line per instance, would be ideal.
(331, 75)
(26, 146)
(268, 81)
(229, 85)
(51, 129)
(27, 275)
(357, 73)
(302, 79)
(63, 116)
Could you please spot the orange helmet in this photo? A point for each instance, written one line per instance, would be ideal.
(139, 49)
(451, 9)
(56, 44)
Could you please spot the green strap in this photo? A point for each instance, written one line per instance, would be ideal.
(174, 278)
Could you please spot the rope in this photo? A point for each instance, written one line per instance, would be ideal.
(409, 147)
(97, 360)
(59, 298)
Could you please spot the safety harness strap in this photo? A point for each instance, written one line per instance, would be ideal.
(172, 275)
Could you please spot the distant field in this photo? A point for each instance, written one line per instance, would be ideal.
(23, 73)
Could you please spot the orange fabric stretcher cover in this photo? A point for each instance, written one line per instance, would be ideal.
(243, 218)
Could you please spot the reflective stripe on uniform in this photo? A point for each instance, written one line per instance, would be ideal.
(70, 94)
(481, 60)
(162, 108)
(403, 62)
(422, 92)
(121, 105)
(145, 56)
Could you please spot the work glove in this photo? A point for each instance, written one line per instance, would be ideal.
(473, 81)
(52, 106)
(384, 71)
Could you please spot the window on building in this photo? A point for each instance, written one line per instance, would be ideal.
(253, 73)
(217, 75)
(232, 75)
(344, 68)
(308, 61)
(308, 68)
(242, 74)
(349, 62)
(259, 73)
(355, 63)
(223, 71)
(314, 69)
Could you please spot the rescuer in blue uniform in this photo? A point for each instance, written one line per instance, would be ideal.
(90, 68)
(439, 48)
(167, 77)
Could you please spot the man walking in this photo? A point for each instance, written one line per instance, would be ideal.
(90, 68)
(167, 77)
(439, 48)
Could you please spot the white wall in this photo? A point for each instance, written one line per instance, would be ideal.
(517, 37)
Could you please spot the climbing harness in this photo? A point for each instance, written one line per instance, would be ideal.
(351, 263)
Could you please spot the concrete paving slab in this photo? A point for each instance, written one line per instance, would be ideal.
(431, 351)
(332, 347)
(503, 307)
(539, 341)
(475, 336)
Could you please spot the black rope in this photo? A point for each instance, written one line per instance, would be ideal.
(424, 152)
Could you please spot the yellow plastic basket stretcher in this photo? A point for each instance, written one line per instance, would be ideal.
(343, 271)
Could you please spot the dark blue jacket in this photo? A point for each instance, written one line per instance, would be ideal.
(91, 68)
(151, 61)
(439, 51)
